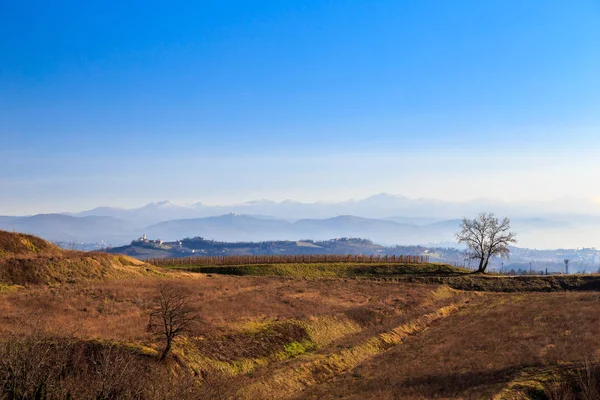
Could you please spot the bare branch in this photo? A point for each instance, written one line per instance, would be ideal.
(486, 236)
(172, 315)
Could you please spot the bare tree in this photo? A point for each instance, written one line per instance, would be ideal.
(486, 236)
(172, 315)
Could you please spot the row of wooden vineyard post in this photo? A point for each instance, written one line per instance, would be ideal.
(288, 259)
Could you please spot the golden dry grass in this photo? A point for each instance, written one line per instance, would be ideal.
(117, 309)
(479, 351)
(14, 244)
(275, 337)
(28, 260)
(266, 337)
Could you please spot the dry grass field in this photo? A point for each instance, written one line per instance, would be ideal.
(503, 346)
(271, 337)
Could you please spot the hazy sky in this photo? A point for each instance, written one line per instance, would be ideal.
(226, 101)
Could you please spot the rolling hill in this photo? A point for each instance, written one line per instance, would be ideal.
(29, 260)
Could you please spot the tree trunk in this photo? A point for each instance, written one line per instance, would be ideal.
(485, 265)
(166, 350)
(481, 268)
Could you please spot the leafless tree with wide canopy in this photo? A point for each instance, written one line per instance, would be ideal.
(486, 236)
(172, 315)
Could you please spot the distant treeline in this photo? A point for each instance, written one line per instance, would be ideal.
(288, 259)
(202, 243)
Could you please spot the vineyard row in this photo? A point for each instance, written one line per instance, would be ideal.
(288, 259)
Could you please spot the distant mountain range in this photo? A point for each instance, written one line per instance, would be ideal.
(380, 206)
(228, 227)
(234, 227)
(385, 219)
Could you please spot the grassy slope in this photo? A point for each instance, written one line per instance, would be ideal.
(282, 319)
(18, 244)
(326, 270)
(502, 346)
(429, 273)
(397, 329)
(276, 337)
(26, 259)
(495, 283)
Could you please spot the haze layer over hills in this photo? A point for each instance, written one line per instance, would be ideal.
(379, 206)
(384, 218)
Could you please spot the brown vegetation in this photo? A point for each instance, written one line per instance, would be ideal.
(482, 351)
(284, 337)
(401, 333)
(28, 260)
(42, 367)
(502, 283)
(172, 315)
(18, 244)
(280, 318)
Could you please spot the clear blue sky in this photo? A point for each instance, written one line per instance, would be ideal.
(225, 101)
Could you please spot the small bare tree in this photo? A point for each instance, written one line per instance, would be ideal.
(172, 316)
(486, 236)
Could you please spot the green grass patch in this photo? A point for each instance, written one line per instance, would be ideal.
(4, 288)
(326, 270)
(426, 273)
(294, 349)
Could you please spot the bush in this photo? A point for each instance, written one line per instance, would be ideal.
(43, 367)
